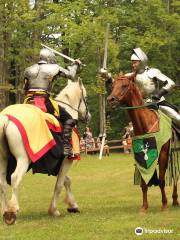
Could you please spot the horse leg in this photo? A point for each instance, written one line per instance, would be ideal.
(14, 139)
(3, 185)
(175, 195)
(108, 151)
(69, 199)
(163, 162)
(144, 188)
(164, 198)
(3, 164)
(16, 177)
(58, 186)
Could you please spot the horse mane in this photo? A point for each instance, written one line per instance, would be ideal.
(122, 77)
(134, 89)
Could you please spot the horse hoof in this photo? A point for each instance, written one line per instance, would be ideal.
(73, 210)
(54, 213)
(9, 218)
(143, 210)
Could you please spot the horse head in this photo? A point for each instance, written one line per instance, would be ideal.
(74, 99)
(121, 90)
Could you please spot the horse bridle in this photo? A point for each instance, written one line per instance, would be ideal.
(82, 99)
(150, 105)
(124, 93)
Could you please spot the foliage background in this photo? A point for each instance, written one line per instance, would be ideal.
(77, 28)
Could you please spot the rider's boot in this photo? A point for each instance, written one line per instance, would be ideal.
(67, 134)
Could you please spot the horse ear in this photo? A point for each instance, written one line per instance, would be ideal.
(69, 81)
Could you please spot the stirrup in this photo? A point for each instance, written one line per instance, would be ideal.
(68, 151)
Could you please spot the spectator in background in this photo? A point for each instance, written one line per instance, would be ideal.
(127, 141)
(82, 144)
(87, 133)
(98, 142)
(89, 140)
(131, 130)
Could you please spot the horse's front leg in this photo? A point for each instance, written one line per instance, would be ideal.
(144, 188)
(69, 199)
(175, 195)
(58, 186)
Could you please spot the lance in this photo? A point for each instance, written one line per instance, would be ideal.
(60, 54)
(104, 66)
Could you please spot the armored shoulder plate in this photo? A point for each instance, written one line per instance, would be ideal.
(153, 72)
(31, 72)
(156, 73)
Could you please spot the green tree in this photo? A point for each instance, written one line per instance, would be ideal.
(76, 28)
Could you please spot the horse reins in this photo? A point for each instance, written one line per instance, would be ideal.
(151, 104)
(77, 110)
(67, 105)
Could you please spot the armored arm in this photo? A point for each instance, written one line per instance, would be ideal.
(168, 84)
(71, 71)
(106, 75)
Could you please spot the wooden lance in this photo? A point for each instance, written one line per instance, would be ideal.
(103, 97)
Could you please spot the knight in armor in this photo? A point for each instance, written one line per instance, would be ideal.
(38, 80)
(148, 81)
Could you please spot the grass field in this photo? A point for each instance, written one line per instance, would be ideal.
(108, 200)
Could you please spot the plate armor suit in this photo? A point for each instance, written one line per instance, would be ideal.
(149, 79)
(38, 80)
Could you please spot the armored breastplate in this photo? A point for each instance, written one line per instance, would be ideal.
(40, 76)
(146, 84)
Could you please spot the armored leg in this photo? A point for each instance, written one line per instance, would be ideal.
(67, 134)
(171, 113)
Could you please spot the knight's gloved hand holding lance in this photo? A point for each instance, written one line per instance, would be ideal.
(38, 80)
(107, 77)
(148, 79)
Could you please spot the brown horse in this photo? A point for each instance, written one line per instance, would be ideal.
(125, 92)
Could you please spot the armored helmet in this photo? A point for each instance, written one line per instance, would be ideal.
(47, 56)
(138, 54)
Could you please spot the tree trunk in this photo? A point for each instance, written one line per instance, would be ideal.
(5, 43)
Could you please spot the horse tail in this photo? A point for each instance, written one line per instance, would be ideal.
(3, 124)
(8, 159)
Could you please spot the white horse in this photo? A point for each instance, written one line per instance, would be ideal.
(73, 97)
